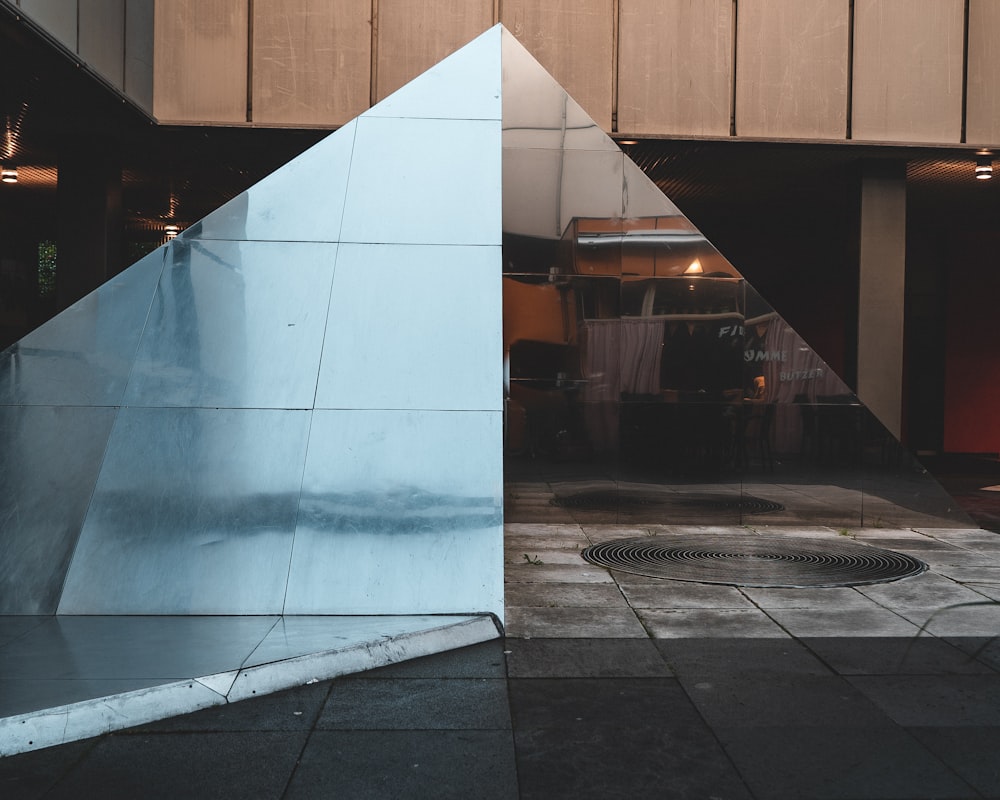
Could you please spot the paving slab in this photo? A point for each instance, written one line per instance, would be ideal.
(733, 656)
(585, 623)
(853, 622)
(822, 599)
(894, 655)
(927, 591)
(971, 752)
(708, 622)
(374, 765)
(555, 573)
(987, 574)
(584, 658)
(416, 704)
(615, 738)
(971, 618)
(680, 594)
(766, 700)
(254, 764)
(839, 762)
(984, 649)
(31, 775)
(537, 556)
(934, 700)
(564, 595)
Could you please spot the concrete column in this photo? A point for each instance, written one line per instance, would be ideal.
(881, 284)
(89, 244)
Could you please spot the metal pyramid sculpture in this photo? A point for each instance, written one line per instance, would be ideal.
(298, 405)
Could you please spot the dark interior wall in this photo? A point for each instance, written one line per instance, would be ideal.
(26, 219)
(928, 249)
(800, 253)
(972, 342)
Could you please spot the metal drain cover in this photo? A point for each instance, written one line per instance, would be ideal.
(757, 561)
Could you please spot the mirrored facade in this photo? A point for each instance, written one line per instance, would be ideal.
(310, 402)
(647, 382)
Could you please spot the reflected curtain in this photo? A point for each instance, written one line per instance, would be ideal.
(618, 356)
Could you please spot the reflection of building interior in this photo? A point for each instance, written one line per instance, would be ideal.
(638, 355)
(642, 312)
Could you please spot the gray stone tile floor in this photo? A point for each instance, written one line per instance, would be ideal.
(611, 685)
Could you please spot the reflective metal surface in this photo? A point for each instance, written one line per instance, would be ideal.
(235, 324)
(83, 356)
(647, 382)
(193, 514)
(49, 460)
(301, 202)
(442, 187)
(416, 327)
(400, 509)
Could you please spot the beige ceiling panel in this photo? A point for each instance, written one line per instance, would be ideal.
(574, 41)
(413, 37)
(791, 69)
(200, 61)
(982, 121)
(908, 70)
(675, 67)
(311, 61)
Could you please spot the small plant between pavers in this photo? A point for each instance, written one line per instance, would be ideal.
(533, 559)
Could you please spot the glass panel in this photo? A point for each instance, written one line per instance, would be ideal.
(49, 459)
(235, 325)
(382, 531)
(446, 300)
(193, 513)
(83, 356)
(443, 187)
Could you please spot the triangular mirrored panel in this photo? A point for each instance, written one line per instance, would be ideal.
(648, 381)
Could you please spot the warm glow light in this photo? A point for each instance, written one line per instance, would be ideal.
(627, 142)
(984, 166)
(171, 230)
(694, 268)
(8, 175)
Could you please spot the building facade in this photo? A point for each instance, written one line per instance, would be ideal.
(828, 148)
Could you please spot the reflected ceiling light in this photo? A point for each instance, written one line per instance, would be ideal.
(171, 230)
(694, 268)
(984, 166)
(8, 174)
(627, 142)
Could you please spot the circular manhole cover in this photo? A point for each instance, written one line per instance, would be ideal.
(756, 561)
